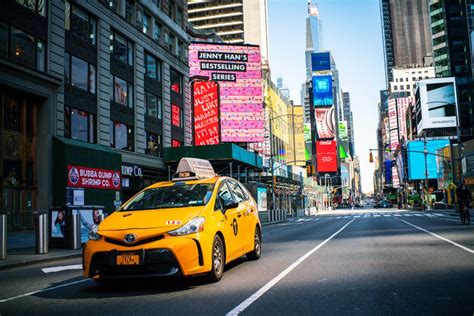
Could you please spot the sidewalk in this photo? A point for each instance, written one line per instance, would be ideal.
(21, 251)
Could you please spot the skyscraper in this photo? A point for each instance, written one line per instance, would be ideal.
(347, 116)
(406, 33)
(314, 35)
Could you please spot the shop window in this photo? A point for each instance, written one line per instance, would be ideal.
(22, 48)
(82, 74)
(122, 49)
(79, 125)
(37, 6)
(81, 24)
(176, 116)
(175, 143)
(153, 106)
(3, 40)
(123, 92)
(176, 82)
(153, 67)
(153, 144)
(121, 136)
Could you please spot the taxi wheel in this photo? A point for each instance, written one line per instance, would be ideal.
(218, 260)
(257, 247)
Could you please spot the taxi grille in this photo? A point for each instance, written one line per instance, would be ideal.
(156, 262)
(141, 242)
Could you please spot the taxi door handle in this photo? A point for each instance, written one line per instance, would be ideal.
(240, 215)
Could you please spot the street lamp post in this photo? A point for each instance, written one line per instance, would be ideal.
(425, 151)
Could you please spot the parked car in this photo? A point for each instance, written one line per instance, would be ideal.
(383, 204)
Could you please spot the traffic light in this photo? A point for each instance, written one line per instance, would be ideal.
(371, 157)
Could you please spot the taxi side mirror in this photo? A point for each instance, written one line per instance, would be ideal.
(229, 204)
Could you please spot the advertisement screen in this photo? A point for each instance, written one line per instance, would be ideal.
(397, 120)
(326, 156)
(206, 113)
(238, 69)
(88, 219)
(416, 158)
(262, 199)
(320, 61)
(322, 91)
(436, 104)
(343, 131)
(325, 123)
(58, 224)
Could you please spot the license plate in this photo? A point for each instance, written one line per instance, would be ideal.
(128, 259)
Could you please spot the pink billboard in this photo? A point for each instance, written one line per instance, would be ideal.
(238, 69)
(402, 105)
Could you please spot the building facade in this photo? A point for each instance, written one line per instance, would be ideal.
(405, 79)
(99, 86)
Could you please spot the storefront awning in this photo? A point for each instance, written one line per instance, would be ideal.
(218, 155)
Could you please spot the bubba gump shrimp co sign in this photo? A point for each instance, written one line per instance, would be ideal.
(93, 178)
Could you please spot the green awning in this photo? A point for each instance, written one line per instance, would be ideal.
(223, 153)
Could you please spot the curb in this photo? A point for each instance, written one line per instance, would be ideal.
(271, 223)
(42, 260)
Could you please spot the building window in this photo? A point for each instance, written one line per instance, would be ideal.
(146, 23)
(80, 23)
(153, 67)
(176, 81)
(153, 106)
(121, 136)
(129, 10)
(25, 49)
(4, 40)
(37, 6)
(123, 92)
(153, 144)
(179, 17)
(175, 143)
(172, 44)
(79, 125)
(79, 73)
(157, 31)
(115, 6)
(177, 116)
(121, 48)
(395, 88)
(401, 79)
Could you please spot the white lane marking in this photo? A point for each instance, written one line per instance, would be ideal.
(40, 291)
(376, 215)
(255, 296)
(339, 217)
(300, 219)
(62, 268)
(438, 236)
(408, 215)
(387, 215)
(307, 219)
(418, 215)
(398, 215)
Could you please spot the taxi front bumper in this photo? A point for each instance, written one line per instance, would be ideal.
(168, 256)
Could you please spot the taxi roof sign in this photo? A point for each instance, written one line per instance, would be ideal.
(193, 169)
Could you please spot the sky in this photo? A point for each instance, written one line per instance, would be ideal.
(352, 32)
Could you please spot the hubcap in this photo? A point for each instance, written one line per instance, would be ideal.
(257, 242)
(217, 257)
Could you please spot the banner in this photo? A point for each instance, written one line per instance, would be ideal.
(326, 156)
(325, 123)
(206, 113)
(84, 177)
(322, 91)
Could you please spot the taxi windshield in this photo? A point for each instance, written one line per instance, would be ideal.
(177, 195)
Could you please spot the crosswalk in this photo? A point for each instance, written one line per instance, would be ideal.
(383, 215)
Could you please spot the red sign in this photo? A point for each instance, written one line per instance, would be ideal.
(326, 155)
(84, 177)
(175, 143)
(206, 113)
(175, 115)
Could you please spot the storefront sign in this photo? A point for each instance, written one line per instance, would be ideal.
(84, 177)
(132, 171)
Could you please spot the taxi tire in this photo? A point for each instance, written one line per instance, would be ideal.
(218, 251)
(257, 251)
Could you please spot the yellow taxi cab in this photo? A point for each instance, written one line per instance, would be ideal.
(194, 224)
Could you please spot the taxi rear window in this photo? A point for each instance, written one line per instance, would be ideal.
(181, 195)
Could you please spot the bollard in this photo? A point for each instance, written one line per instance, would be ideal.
(3, 236)
(76, 232)
(42, 233)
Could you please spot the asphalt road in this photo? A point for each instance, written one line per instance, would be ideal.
(346, 262)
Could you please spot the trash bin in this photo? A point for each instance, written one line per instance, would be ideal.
(3, 236)
(42, 235)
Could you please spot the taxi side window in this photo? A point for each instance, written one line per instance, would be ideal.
(222, 195)
(238, 192)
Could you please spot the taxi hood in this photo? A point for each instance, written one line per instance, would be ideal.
(160, 220)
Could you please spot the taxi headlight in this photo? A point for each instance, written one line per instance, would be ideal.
(93, 234)
(195, 225)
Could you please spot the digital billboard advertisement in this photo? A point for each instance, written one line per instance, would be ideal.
(238, 69)
(436, 104)
(321, 61)
(397, 122)
(416, 158)
(325, 123)
(326, 156)
(322, 91)
(206, 113)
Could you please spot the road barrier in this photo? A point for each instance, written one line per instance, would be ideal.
(42, 236)
(3, 236)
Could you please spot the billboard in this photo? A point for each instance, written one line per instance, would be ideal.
(238, 68)
(416, 158)
(320, 61)
(326, 155)
(397, 120)
(322, 91)
(206, 113)
(436, 104)
(342, 127)
(325, 123)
